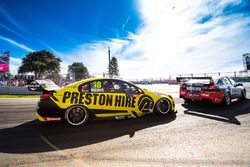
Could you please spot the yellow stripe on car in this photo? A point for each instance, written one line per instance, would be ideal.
(40, 118)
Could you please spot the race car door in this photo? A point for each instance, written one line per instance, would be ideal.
(233, 90)
(237, 90)
(110, 98)
(136, 102)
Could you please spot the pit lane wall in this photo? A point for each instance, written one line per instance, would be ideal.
(15, 90)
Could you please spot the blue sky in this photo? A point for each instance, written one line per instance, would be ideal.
(63, 24)
(150, 38)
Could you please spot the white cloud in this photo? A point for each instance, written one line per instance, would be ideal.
(11, 30)
(17, 44)
(173, 42)
(94, 55)
(15, 63)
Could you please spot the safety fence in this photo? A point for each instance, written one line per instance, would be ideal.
(16, 86)
(239, 76)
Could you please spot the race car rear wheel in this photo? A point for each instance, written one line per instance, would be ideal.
(163, 106)
(243, 94)
(227, 99)
(77, 115)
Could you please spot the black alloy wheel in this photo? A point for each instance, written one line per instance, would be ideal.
(163, 106)
(77, 115)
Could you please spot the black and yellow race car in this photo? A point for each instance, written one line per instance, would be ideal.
(97, 97)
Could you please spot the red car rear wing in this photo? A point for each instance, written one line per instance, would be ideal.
(185, 79)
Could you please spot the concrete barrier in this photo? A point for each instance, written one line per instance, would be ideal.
(15, 90)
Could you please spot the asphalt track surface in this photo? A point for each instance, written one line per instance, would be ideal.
(198, 135)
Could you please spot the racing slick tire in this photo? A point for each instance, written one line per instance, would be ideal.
(243, 94)
(163, 106)
(227, 99)
(77, 115)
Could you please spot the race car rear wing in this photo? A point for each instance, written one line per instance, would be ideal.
(42, 85)
(185, 79)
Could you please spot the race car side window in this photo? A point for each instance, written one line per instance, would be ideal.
(108, 86)
(83, 87)
(232, 81)
(96, 86)
(130, 89)
(220, 82)
(226, 81)
(113, 86)
(117, 86)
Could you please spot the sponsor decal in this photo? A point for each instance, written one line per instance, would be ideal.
(101, 99)
(53, 118)
(145, 103)
(205, 94)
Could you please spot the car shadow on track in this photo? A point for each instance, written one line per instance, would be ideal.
(219, 112)
(33, 136)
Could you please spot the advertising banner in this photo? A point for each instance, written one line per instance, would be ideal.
(4, 62)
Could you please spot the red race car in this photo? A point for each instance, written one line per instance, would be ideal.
(217, 91)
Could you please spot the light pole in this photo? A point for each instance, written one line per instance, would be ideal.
(109, 68)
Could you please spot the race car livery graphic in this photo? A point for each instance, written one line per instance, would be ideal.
(217, 91)
(97, 97)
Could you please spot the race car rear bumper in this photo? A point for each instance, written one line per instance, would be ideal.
(47, 119)
(214, 97)
(47, 110)
(39, 117)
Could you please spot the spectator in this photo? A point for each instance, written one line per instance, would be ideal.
(1, 83)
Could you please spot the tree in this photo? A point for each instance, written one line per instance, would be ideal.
(41, 63)
(113, 67)
(78, 71)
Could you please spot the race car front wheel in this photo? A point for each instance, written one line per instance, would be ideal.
(163, 106)
(77, 115)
